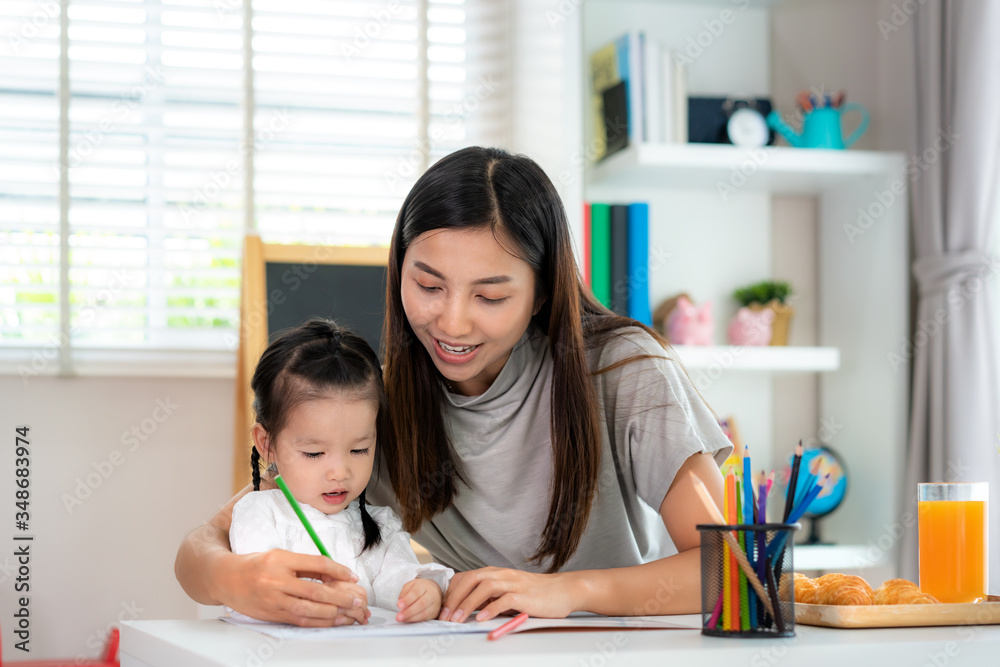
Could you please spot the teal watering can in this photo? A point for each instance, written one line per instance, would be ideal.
(820, 127)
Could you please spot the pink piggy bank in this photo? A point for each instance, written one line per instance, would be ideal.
(689, 325)
(751, 328)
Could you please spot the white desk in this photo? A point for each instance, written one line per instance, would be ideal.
(216, 643)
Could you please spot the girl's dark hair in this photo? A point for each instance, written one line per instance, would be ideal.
(306, 363)
(478, 188)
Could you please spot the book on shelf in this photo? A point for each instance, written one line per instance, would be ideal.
(638, 94)
(600, 252)
(678, 101)
(619, 258)
(585, 269)
(613, 95)
(638, 263)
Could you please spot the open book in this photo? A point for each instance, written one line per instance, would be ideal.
(383, 624)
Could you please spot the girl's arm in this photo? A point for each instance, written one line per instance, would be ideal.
(670, 585)
(395, 568)
(263, 585)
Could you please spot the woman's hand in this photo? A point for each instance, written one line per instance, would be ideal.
(267, 586)
(498, 590)
(419, 600)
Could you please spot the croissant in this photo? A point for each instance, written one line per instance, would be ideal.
(845, 589)
(805, 589)
(901, 591)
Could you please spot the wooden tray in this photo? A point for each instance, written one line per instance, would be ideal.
(897, 616)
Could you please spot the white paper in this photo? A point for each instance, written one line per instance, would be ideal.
(383, 624)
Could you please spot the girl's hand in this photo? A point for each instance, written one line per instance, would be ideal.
(419, 600)
(268, 586)
(496, 590)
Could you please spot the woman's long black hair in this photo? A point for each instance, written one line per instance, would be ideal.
(308, 362)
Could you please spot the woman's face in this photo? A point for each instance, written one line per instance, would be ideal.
(468, 301)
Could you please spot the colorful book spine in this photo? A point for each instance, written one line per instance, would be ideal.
(619, 259)
(586, 245)
(600, 252)
(638, 264)
(604, 74)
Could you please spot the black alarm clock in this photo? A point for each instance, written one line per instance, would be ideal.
(740, 121)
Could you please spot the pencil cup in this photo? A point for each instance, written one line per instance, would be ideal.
(747, 580)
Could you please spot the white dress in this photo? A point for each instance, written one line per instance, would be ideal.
(263, 520)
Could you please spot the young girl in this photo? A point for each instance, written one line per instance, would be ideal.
(321, 411)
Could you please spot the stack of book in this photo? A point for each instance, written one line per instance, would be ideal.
(639, 94)
(616, 257)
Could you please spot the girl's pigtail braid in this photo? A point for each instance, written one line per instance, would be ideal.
(372, 533)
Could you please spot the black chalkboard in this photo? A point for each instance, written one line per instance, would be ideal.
(351, 294)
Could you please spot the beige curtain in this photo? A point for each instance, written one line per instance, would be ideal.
(955, 418)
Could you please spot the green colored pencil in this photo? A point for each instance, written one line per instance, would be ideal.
(302, 517)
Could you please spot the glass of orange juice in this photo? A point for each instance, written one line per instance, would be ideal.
(953, 522)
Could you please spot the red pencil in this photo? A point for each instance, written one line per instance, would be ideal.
(508, 626)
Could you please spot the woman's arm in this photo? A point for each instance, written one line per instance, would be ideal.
(670, 585)
(266, 585)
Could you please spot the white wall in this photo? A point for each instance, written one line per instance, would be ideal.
(105, 535)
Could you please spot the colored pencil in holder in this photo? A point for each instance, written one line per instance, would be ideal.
(792, 482)
(748, 514)
(745, 590)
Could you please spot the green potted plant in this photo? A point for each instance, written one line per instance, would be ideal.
(771, 295)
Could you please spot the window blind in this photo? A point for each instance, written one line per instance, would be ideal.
(29, 173)
(350, 101)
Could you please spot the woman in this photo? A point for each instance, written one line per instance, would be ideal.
(542, 444)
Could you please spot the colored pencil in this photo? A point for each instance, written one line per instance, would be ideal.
(748, 518)
(508, 626)
(761, 535)
(792, 480)
(747, 487)
(727, 607)
(744, 597)
(734, 569)
(713, 621)
(772, 589)
(302, 517)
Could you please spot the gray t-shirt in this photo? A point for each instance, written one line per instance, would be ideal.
(653, 420)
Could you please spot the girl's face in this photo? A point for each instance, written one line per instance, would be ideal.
(468, 301)
(326, 450)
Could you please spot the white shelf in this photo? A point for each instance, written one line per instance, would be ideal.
(837, 557)
(771, 168)
(763, 358)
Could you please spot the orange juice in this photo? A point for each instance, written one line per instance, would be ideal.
(953, 549)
